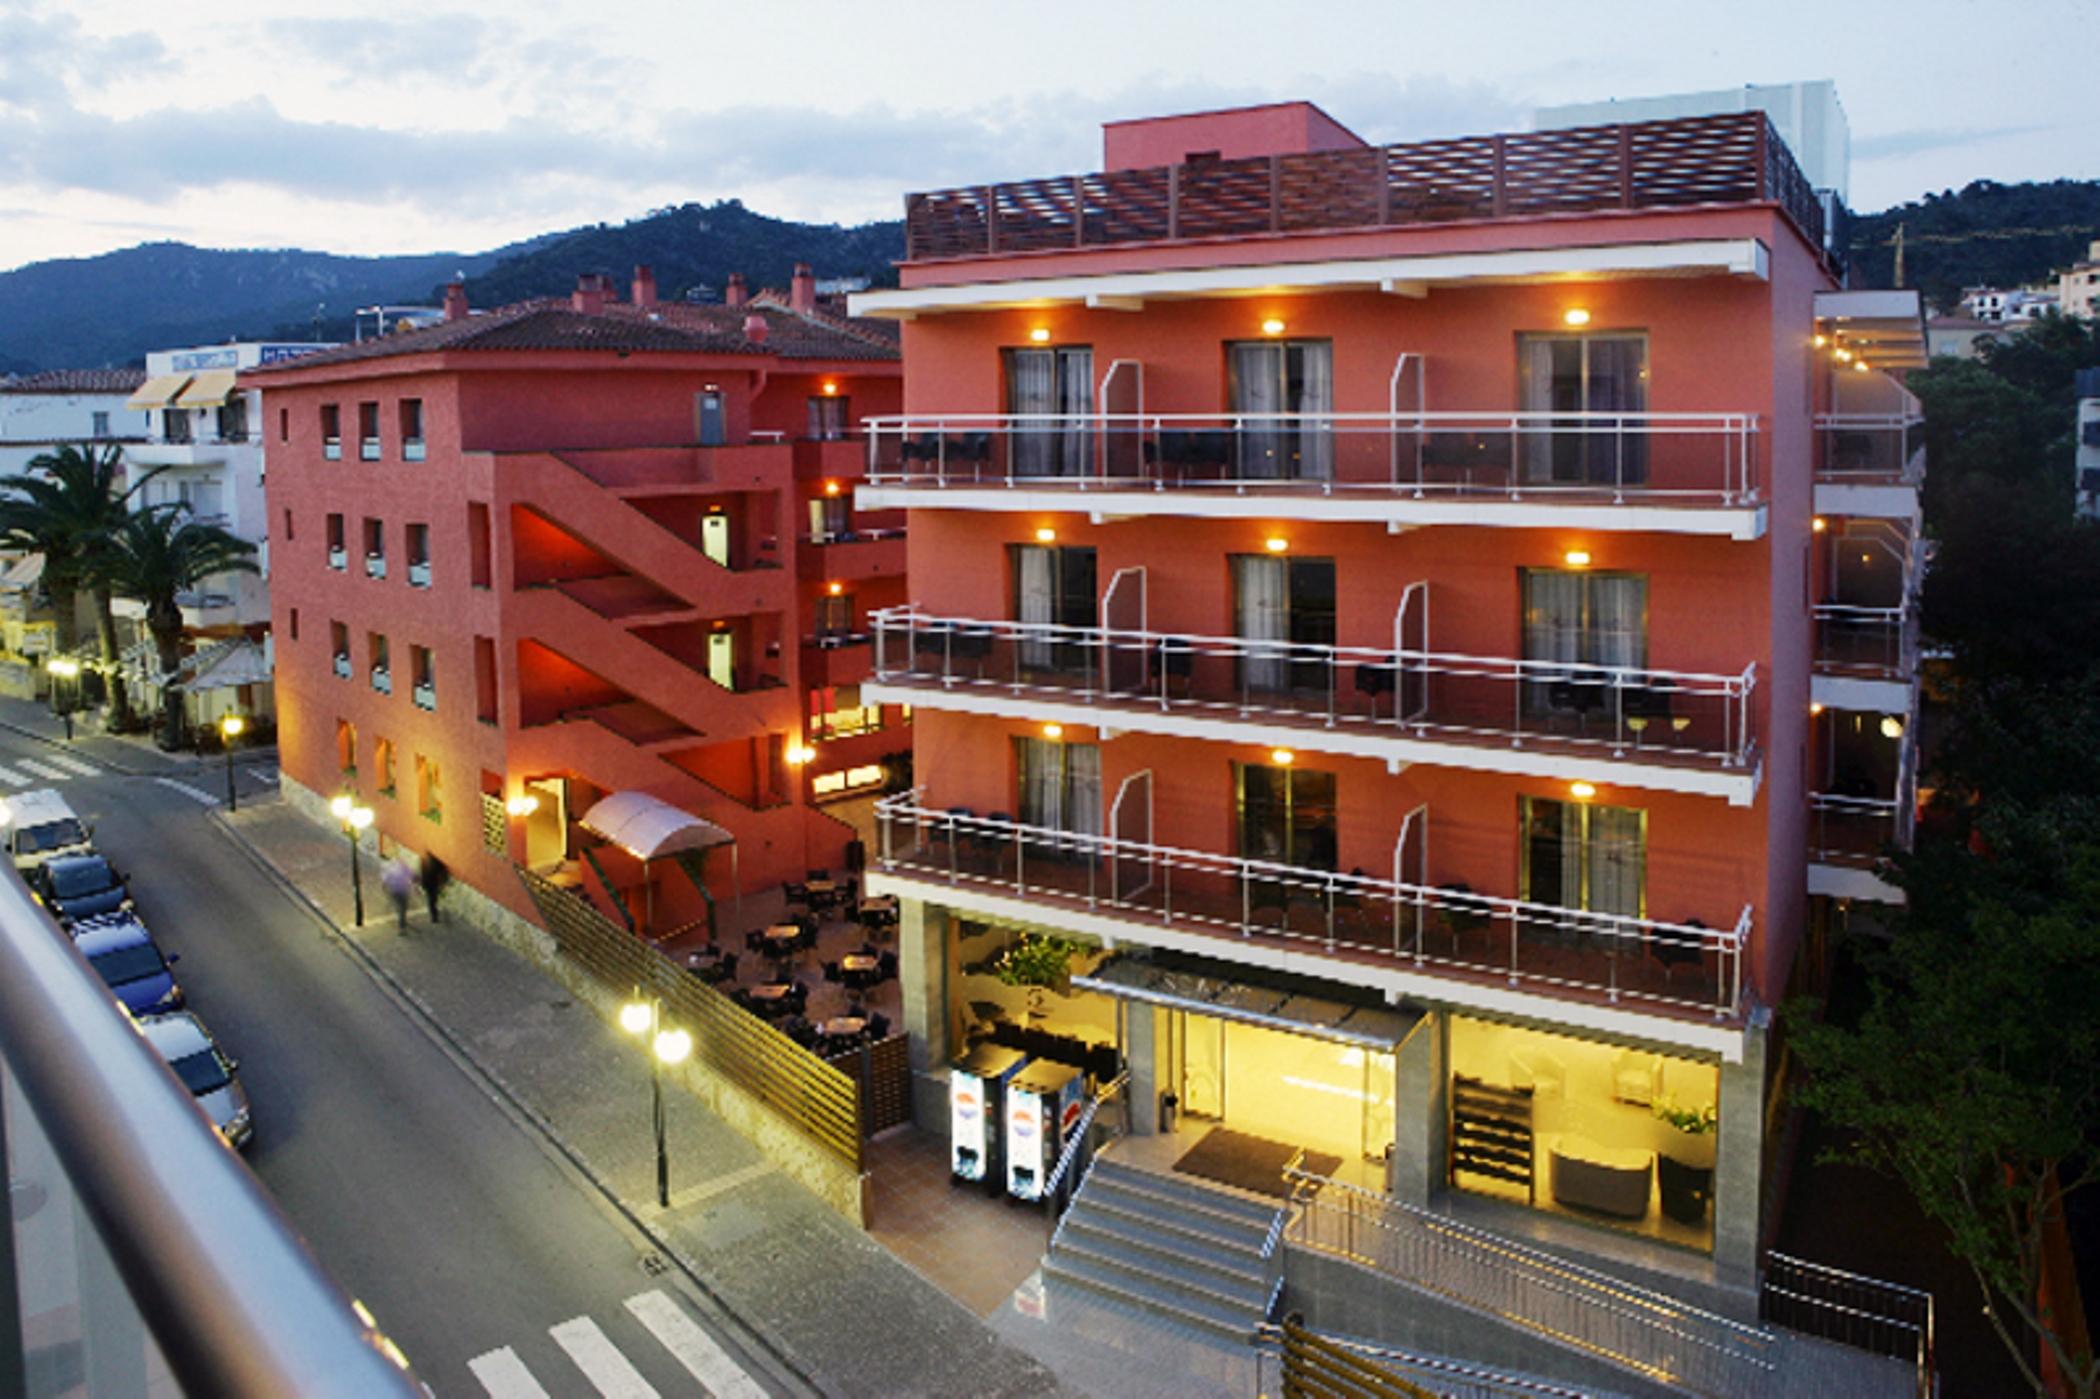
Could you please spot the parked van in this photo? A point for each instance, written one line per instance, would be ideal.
(41, 826)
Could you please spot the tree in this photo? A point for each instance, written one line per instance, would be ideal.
(69, 507)
(158, 555)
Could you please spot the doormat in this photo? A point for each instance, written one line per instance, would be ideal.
(1253, 1164)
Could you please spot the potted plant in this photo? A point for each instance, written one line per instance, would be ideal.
(1038, 960)
(1684, 1170)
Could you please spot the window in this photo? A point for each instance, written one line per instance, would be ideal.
(1060, 785)
(828, 417)
(481, 563)
(1583, 855)
(375, 548)
(383, 766)
(338, 551)
(429, 800)
(101, 424)
(836, 712)
(1052, 585)
(293, 621)
(175, 424)
(423, 670)
(1591, 374)
(290, 534)
(233, 419)
(284, 425)
(418, 556)
(346, 747)
(1053, 381)
(830, 517)
(1292, 377)
(835, 615)
(381, 670)
(368, 432)
(411, 429)
(331, 432)
(485, 698)
(1289, 602)
(1287, 816)
(339, 648)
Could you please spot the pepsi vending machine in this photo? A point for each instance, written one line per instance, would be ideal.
(1043, 1105)
(976, 1105)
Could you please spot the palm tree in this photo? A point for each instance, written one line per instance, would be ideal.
(158, 555)
(69, 507)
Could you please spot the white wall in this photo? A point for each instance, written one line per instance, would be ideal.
(32, 423)
(1807, 115)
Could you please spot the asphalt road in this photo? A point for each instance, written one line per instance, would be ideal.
(417, 1190)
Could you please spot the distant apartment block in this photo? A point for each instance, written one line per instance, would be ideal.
(42, 412)
(2078, 286)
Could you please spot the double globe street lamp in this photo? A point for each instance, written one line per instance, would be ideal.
(354, 818)
(639, 1017)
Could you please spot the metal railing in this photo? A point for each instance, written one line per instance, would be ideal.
(1858, 831)
(1686, 716)
(1422, 1374)
(1651, 1334)
(1571, 458)
(1870, 448)
(1872, 641)
(1866, 1313)
(141, 1247)
(1450, 931)
(1081, 1147)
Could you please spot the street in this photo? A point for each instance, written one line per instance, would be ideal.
(491, 1264)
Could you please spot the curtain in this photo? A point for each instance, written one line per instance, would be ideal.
(1042, 783)
(1083, 788)
(1545, 366)
(1035, 599)
(1553, 614)
(1617, 860)
(1257, 388)
(1613, 384)
(1311, 392)
(1261, 589)
(1031, 387)
(1617, 630)
(1075, 399)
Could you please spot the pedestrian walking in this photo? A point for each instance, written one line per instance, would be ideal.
(434, 877)
(398, 882)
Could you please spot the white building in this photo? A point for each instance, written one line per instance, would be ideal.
(2002, 306)
(2078, 286)
(2087, 477)
(1807, 116)
(40, 412)
(208, 435)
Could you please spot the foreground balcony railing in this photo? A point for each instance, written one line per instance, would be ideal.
(1870, 449)
(1652, 458)
(1451, 930)
(1859, 831)
(1879, 642)
(1663, 715)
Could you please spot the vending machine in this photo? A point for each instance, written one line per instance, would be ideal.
(976, 1105)
(1043, 1106)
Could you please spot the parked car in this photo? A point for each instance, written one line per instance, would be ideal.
(205, 1070)
(41, 826)
(74, 887)
(118, 947)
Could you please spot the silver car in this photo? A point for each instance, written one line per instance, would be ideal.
(205, 1070)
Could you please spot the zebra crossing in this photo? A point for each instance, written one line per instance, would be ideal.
(591, 1351)
(42, 772)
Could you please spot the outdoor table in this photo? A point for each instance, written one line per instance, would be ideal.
(879, 903)
(844, 1026)
(772, 991)
(782, 935)
(859, 962)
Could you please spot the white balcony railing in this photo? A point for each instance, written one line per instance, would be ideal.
(382, 680)
(375, 565)
(1877, 642)
(1861, 831)
(340, 664)
(425, 695)
(1870, 448)
(419, 575)
(1683, 717)
(1687, 966)
(1652, 458)
(338, 557)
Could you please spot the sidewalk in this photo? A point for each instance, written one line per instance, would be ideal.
(837, 1306)
(132, 754)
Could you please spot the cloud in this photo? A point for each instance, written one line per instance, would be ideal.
(42, 56)
(455, 44)
(1898, 145)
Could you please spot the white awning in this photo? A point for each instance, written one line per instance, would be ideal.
(224, 666)
(208, 390)
(647, 827)
(158, 392)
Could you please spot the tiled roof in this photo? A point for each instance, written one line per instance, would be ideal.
(671, 327)
(76, 381)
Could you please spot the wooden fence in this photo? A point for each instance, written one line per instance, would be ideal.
(882, 1071)
(819, 1099)
(1315, 1366)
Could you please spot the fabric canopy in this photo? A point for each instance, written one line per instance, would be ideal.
(207, 390)
(226, 666)
(158, 392)
(647, 827)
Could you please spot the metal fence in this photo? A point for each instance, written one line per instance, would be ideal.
(1646, 1332)
(817, 1097)
(1883, 1318)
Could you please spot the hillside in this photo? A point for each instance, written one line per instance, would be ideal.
(1984, 233)
(107, 310)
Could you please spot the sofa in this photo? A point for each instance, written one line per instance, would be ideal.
(1605, 1179)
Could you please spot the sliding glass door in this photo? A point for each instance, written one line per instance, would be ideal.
(1289, 602)
(1586, 622)
(1584, 855)
(1586, 374)
(1060, 785)
(1055, 384)
(1053, 584)
(1293, 377)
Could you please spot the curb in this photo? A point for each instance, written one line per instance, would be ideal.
(750, 1333)
(126, 769)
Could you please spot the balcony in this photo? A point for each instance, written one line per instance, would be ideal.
(1866, 657)
(1870, 464)
(412, 449)
(338, 558)
(340, 664)
(382, 680)
(1444, 944)
(425, 695)
(331, 449)
(419, 574)
(1851, 838)
(375, 565)
(1666, 730)
(1733, 158)
(178, 452)
(368, 449)
(1680, 472)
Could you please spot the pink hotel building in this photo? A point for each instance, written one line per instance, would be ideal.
(1433, 623)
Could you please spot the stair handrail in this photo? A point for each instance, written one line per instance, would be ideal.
(1082, 1133)
(1451, 1376)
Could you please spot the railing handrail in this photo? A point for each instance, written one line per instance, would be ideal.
(1269, 1335)
(1730, 940)
(908, 617)
(1832, 801)
(1077, 1138)
(1908, 418)
(1544, 418)
(232, 1297)
(1850, 609)
(1917, 1294)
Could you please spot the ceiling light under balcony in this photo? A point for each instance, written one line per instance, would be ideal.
(1861, 365)
(1577, 558)
(834, 588)
(1814, 707)
(1821, 341)
(1891, 726)
(1040, 335)
(1576, 315)
(800, 753)
(1046, 535)
(832, 488)
(1844, 356)
(1283, 757)
(831, 389)
(1272, 326)
(522, 806)
(1582, 791)
(1053, 731)
(1819, 524)
(1277, 544)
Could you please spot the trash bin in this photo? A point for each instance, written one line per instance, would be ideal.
(1169, 1109)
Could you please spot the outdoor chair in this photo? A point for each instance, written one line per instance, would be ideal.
(1672, 949)
(886, 966)
(832, 973)
(878, 1026)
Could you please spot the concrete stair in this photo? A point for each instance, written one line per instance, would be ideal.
(1166, 1245)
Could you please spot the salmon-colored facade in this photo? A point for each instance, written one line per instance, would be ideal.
(593, 546)
(1489, 521)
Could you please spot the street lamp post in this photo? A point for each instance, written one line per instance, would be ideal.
(67, 669)
(230, 726)
(354, 818)
(640, 1017)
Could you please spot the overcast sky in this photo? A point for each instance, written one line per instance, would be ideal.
(383, 126)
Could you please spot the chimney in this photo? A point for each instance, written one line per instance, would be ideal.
(590, 295)
(456, 301)
(738, 293)
(645, 286)
(755, 328)
(802, 292)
